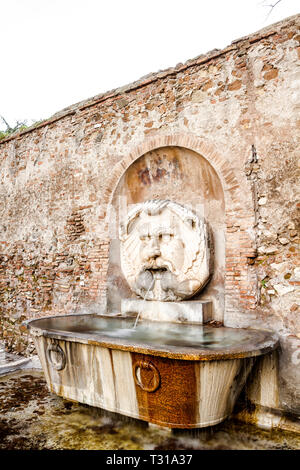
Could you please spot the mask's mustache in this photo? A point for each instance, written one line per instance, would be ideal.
(157, 265)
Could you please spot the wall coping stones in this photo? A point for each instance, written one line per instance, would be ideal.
(241, 43)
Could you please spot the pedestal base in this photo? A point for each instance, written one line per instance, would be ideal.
(185, 311)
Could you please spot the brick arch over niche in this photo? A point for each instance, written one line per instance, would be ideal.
(240, 284)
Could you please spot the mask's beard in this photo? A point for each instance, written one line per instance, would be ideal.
(156, 281)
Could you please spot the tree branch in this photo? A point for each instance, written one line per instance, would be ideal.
(271, 6)
(8, 127)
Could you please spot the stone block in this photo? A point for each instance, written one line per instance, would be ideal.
(185, 311)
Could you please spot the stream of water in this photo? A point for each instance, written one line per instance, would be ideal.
(142, 306)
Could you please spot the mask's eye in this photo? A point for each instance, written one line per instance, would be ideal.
(145, 237)
(166, 237)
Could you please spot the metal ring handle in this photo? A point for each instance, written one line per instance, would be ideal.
(59, 363)
(152, 383)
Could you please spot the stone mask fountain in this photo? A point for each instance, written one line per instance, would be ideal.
(157, 360)
(164, 251)
(165, 259)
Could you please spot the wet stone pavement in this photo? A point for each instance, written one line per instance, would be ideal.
(32, 418)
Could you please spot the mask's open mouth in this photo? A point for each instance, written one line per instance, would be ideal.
(157, 272)
(156, 269)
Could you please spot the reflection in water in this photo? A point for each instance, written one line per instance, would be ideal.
(153, 333)
(177, 335)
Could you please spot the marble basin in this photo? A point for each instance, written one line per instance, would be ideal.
(179, 376)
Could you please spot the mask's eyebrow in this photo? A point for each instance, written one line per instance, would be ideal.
(164, 230)
(144, 231)
(152, 231)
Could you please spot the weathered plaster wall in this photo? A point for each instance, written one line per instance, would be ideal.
(238, 109)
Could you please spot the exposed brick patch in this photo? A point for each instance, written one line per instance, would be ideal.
(273, 73)
(75, 226)
(236, 85)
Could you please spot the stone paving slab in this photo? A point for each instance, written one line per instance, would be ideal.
(11, 362)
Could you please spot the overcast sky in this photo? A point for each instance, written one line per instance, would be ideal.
(57, 52)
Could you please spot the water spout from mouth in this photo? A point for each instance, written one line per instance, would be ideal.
(143, 304)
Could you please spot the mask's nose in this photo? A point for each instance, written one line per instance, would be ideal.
(154, 248)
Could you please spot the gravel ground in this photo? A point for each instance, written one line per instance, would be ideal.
(32, 418)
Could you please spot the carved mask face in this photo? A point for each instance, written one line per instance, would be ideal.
(162, 248)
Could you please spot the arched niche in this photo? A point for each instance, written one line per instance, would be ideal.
(183, 176)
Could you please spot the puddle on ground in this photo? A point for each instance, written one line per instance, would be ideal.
(33, 418)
